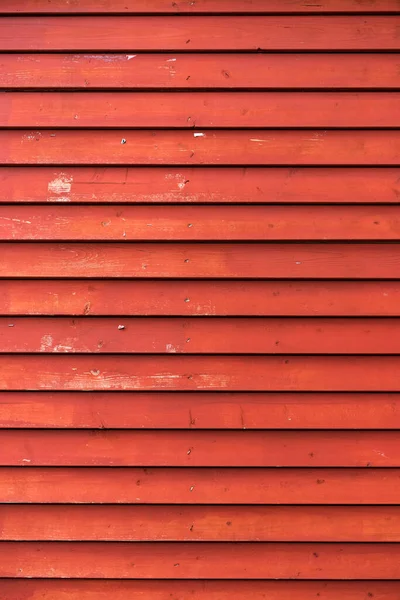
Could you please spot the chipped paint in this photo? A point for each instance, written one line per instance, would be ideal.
(60, 185)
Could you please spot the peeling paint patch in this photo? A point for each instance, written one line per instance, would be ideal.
(46, 342)
(199, 135)
(130, 56)
(60, 186)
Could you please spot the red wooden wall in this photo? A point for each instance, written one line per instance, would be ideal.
(199, 300)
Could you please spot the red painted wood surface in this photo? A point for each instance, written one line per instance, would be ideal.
(219, 261)
(95, 223)
(199, 410)
(215, 147)
(185, 373)
(199, 6)
(53, 589)
(200, 524)
(199, 336)
(199, 298)
(208, 185)
(119, 33)
(199, 71)
(200, 109)
(199, 448)
(240, 165)
(193, 560)
(355, 486)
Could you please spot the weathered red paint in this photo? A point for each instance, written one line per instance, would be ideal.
(215, 147)
(308, 486)
(208, 185)
(132, 34)
(199, 71)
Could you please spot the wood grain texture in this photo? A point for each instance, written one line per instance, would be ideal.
(200, 71)
(199, 109)
(132, 34)
(198, 7)
(80, 448)
(188, 410)
(53, 589)
(206, 185)
(186, 373)
(193, 560)
(191, 260)
(199, 336)
(197, 486)
(199, 223)
(200, 524)
(199, 298)
(215, 147)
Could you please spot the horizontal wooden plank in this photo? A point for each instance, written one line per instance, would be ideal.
(165, 185)
(200, 486)
(197, 448)
(224, 147)
(119, 33)
(200, 336)
(53, 589)
(215, 261)
(199, 109)
(208, 223)
(220, 410)
(191, 560)
(200, 524)
(215, 373)
(199, 298)
(201, 71)
(198, 7)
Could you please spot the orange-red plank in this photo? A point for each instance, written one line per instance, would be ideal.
(199, 298)
(131, 34)
(211, 410)
(200, 524)
(192, 185)
(200, 336)
(199, 486)
(214, 373)
(216, 261)
(199, 6)
(199, 590)
(108, 448)
(180, 71)
(191, 560)
(199, 109)
(54, 589)
(199, 223)
(224, 147)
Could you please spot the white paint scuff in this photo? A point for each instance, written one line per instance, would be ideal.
(60, 186)
(199, 135)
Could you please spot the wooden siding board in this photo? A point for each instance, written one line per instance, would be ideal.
(216, 33)
(200, 109)
(75, 448)
(199, 7)
(193, 560)
(200, 524)
(199, 336)
(206, 185)
(199, 223)
(228, 71)
(305, 486)
(214, 147)
(199, 590)
(159, 298)
(199, 410)
(200, 261)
